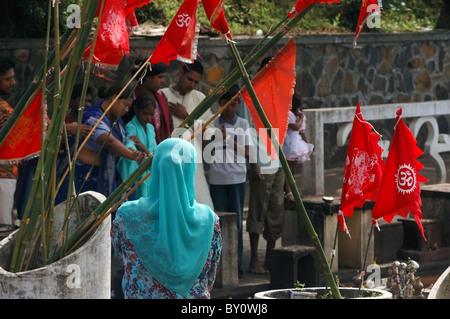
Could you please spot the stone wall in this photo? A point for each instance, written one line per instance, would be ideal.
(384, 68)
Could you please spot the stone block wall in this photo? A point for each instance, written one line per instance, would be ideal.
(383, 68)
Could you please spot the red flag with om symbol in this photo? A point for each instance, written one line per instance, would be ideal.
(179, 42)
(400, 185)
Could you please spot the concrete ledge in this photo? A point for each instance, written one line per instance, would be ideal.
(227, 271)
(292, 264)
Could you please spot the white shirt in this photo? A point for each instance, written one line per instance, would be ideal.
(226, 165)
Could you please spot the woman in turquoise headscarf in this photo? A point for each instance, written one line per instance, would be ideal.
(169, 244)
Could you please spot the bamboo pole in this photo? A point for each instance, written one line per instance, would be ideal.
(51, 142)
(301, 209)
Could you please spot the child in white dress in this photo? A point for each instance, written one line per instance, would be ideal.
(295, 147)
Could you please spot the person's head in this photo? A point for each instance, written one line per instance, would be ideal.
(7, 80)
(144, 108)
(121, 105)
(227, 96)
(175, 159)
(296, 102)
(153, 76)
(190, 77)
(265, 61)
(76, 96)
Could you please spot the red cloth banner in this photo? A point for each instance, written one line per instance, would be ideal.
(400, 186)
(181, 37)
(216, 15)
(112, 41)
(24, 139)
(274, 86)
(300, 5)
(363, 168)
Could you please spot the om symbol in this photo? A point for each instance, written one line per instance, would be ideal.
(406, 179)
(183, 20)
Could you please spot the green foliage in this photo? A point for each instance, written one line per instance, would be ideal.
(26, 18)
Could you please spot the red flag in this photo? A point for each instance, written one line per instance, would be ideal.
(24, 139)
(300, 5)
(274, 87)
(400, 186)
(112, 39)
(181, 37)
(363, 168)
(216, 15)
(369, 9)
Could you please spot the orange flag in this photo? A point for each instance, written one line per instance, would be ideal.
(400, 185)
(24, 139)
(181, 37)
(274, 86)
(363, 168)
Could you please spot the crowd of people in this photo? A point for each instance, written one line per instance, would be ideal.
(167, 234)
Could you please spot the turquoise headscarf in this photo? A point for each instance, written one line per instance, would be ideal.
(170, 231)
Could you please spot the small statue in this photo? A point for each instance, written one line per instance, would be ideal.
(402, 281)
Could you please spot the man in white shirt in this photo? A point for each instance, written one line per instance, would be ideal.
(183, 98)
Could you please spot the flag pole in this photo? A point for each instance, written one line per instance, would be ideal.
(300, 207)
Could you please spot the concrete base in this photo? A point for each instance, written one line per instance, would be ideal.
(294, 264)
(387, 241)
(352, 251)
(415, 247)
(227, 272)
(84, 274)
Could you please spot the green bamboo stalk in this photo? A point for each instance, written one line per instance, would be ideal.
(301, 209)
(51, 143)
(80, 112)
(42, 114)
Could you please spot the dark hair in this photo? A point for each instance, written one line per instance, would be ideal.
(196, 66)
(265, 61)
(151, 70)
(296, 101)
(6, 63)
(141, 102)
(232, 91)
(78, 89)
(107, 92)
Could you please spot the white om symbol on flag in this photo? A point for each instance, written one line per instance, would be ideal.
(406, 179)
(183, 20)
